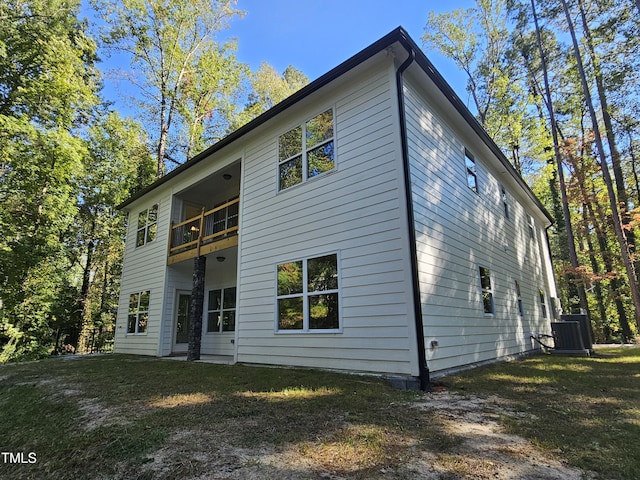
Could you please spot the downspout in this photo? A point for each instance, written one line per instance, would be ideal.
(417, 305)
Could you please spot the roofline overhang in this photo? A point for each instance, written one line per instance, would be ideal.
(398, 35)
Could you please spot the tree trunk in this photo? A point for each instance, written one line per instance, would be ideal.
(197, 308)
(571, 244)
(595, 267)
(615, 285)
(632, 154)
(617, 225)
(621, 190)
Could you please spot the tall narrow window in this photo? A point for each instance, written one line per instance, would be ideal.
(543, 303)
(138, 312)
(307, 295)
(519, 300)
(472, 176)
(505, 202)
(306, 151)
(532, 228)
(221, 310)
(147, 226)
(487, 292)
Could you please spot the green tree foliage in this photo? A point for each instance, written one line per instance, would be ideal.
(608, 33)
(47, 92)
(187, 79)
(118, 164)
(61, 176)
(268, 88)
(478, 41)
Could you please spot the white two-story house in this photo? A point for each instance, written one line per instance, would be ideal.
(366, 223)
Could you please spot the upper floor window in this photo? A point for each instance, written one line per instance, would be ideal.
(221, 310)
(138, 312)
(306, 151)
(472, 176)
(487, 291)
(505, 201)
(532, 228)
(147, 226)
(307, 295)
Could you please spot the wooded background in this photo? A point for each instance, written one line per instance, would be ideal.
(556, 84)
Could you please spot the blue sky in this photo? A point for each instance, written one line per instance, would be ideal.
(316, 35)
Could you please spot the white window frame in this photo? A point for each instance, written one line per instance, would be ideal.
(471, 170)
(222, 310)
(543, 304)
(305, 151)
(138, 313)
(305, 297)
(484, 290)
(505, 201)
(532, 228)
(519, 299)
(146, 228)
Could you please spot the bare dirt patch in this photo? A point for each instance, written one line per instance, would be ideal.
(468, 443)
(480, 446)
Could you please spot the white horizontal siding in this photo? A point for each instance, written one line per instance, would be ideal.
(457, 231)
(355, 211)
(144, 268)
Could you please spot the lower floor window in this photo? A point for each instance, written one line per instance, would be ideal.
(487, 292)
(307, 294)
(138, 312)
(543, 303)
(221, 311)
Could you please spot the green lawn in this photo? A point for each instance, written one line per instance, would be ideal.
(116, 416)
(587, 409)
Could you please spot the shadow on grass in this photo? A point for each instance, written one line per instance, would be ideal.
(586, 409)
(168, 419)
(203, 411)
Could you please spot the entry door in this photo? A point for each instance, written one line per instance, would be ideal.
(182, 321)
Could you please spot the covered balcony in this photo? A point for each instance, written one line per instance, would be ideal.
(206, 217)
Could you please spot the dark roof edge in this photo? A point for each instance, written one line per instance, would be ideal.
(320, 82)
(397, 35)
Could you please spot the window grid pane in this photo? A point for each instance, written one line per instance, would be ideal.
(290, 144)
(290, 173)
(320, 160)
(319, 129)
(290, 315)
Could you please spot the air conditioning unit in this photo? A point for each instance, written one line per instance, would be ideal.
(585, 328)
(568, 338)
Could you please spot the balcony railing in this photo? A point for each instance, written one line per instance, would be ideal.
(189, 237)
